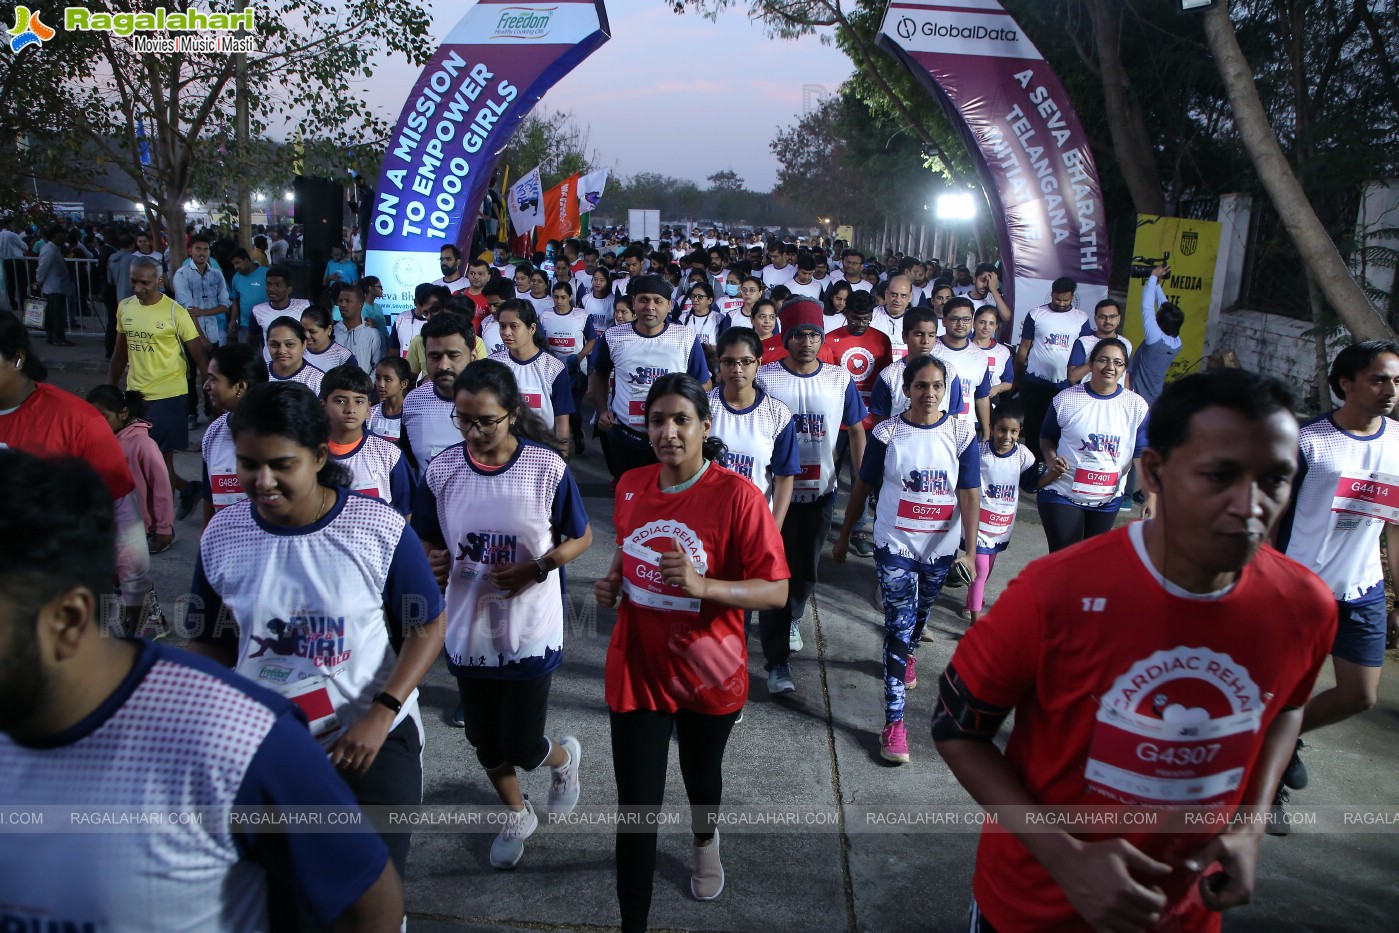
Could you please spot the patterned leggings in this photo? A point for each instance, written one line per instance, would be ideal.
(909, 595)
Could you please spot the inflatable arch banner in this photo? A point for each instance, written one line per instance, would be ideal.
(1016, 120)
(488, 74)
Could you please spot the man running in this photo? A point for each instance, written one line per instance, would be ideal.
(1042, 360)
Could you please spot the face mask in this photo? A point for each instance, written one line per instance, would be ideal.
(731, 291)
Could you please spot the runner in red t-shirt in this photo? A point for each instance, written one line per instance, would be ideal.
(696, 547)
(765, 324)
(1169, 689)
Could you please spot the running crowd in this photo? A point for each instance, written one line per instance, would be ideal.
(376, 493)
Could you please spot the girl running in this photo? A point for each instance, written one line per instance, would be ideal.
(123, 411)
(539, 292)
(598, 300)
(322, 351)
(393, 377)
(542, 379)
(1004, 460)
(233, 371)
(923, 466)
(505, 504)
(730, 303)
(317, 630)
(836, 297)
(701, 317)
(765, 326)
(286, 342)
(697, 547)
(755, 427)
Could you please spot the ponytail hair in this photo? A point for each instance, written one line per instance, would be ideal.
(685, 386)
(495, 377)
(292, 411)
(110, 398)
(239, 362)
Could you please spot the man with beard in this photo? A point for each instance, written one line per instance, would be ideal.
(449, 344)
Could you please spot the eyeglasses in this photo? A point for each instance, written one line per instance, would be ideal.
(1108, 361)
(732, 363)
(483, 426)
(958, 320)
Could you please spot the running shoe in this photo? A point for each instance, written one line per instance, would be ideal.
(910, 673)
(563, 780)
(780, 680)
(1295, 774)
(794, 636)
(509, 846)
(458, 717)
(893, 743)
(862, 545)
(707, 879)
(1277, 816)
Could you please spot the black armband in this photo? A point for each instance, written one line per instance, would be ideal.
(959, 715)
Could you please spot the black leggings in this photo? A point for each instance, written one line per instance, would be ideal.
(640, 755)
(505, 720)
(1068, 524)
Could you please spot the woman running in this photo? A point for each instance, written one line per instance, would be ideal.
(123, 411)
(1000, 359)
(542, 379)
(506, 506)
(317, 630)
(1092, 433)
(730, 302)
(322, 351)
(286, 342)
(924, 467)
(233, 371)
(697, 547)
(755, 427)
(598, 300)
(765, 326)
(539, 292)
(750, 289)
(836, 297)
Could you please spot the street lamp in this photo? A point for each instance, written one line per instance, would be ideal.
(288, 196)
(956, 207)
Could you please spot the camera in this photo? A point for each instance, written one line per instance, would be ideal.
(1142, 265)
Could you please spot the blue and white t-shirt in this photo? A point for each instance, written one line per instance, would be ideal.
(490, 335)
(314, 630)
(1333, 524)
(1000, 495)
(1052, 335)
(916, 470)
(307, 375)
(639, 360)
(331, 357)
(708, 328)
(1099, 436)
(180, 734)
(1000, 359)
(599, 310)
(888, 400)
(427, 423)
(543, 383)
(821, 402)
(567, 334)
(761, 439)
(1083, 351)
(388, 426)
(973, 373)
(221, 486)
(378, 470)
(489, 517)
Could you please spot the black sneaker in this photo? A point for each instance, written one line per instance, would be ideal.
(1277, 816)
(1295, 775)
(458, 717)
(189, 497)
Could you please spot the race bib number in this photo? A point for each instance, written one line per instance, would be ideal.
(370, 491)
(1138, 758)
(534, 400)
(314, 700)
(1374, 495)
(994, 524)
(561, 343)
(809, 478)
(926, 513)
(224, 490)
(967, 390)
(641, 581)
(1095, 484)
(636, 413)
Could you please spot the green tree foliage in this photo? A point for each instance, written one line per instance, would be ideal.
(552, 141)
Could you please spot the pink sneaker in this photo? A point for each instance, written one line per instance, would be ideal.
(893, 743)
(910, 673)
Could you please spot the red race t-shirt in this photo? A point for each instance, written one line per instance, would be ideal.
(669, 651)
(774, 349)
(1126, 694)
(54, 423)
(864, 358)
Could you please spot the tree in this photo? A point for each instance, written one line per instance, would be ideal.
(180, 108)
(552, 141)
(1314, 244)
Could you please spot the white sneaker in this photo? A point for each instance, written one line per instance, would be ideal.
(563, 783)
(509, 846)
(794, 636)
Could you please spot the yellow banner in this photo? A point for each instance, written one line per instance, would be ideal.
(845, 232)
(1190, 248)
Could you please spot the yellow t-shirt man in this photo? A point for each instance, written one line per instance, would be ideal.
(417, 355)
(155, 342)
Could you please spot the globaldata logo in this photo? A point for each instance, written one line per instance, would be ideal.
(907, 29)
(524, 22)
(28, 30)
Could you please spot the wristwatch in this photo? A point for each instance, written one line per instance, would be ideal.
(386, 699)
(543, 573)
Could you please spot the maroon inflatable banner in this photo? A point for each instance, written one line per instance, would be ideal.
(1035, 163)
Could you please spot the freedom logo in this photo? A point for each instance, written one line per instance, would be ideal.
(524, 22)
(28, 30)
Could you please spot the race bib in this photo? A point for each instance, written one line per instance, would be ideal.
(1374, 495)
(225, 490)
(561, 343)
(636, 413)
(967, 390)
(925, 513)
(1095, 484)
(994, 524)
(1139, 758)
(314, 700)
(809, 478)
(641, 581)
(370, 491)
(534, 400)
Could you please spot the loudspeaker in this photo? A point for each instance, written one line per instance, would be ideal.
(320, 209)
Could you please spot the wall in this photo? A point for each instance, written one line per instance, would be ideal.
(1269, 343)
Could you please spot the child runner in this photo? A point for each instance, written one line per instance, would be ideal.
(923, 465)
(153, 494)
(392, 380)
(376, 465)
(506, 506)
(1004, 460)
(233, 371)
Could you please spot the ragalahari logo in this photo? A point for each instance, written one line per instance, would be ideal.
(28, 30)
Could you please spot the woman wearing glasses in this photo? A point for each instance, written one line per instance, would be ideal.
(1092, 433)
(750, 289)
(506, 509)
(756, 428)
(701, 317)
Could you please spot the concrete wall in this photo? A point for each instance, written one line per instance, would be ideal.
(1270, 343)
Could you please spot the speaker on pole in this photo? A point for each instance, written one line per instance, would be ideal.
(320, 209)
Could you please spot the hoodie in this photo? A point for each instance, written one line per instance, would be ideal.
(152, 479)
